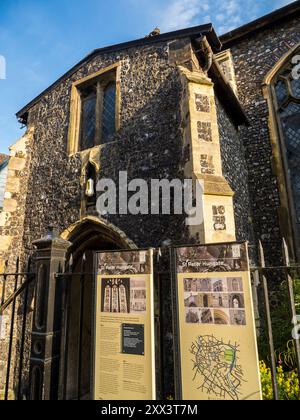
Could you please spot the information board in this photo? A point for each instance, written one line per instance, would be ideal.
(124, 359)
(216, 338)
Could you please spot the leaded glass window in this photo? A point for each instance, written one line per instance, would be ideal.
(98, 113)
(109, 112)
(88, 118)
(287, 92)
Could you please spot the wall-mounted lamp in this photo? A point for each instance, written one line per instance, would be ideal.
(90, 188)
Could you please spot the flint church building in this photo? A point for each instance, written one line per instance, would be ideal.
(181, 105)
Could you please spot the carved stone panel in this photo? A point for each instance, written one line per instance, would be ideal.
(202, 103)
(207, 165)
(204, 131)
(219, 217)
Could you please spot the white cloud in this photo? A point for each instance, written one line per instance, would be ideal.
(224, 14)
(182, 13)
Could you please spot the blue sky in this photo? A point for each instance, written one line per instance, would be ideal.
(42, 39)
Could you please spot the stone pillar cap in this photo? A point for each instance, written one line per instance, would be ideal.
(52, 237)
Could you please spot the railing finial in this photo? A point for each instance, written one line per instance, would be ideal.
(17, 264)
(286, 255)
(261, 255)
(70, 263)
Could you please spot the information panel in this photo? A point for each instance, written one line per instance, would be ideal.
(124, 359)
(217, 349)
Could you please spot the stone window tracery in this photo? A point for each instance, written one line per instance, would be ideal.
(287, 105)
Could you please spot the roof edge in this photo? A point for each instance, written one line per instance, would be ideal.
(227, 97)
(4, 163)
(206, 29)
(264, 22)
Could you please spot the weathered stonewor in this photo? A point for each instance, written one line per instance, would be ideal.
(148, 145)
(254, 56)
(180, 115)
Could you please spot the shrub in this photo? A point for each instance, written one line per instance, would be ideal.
(287, 381)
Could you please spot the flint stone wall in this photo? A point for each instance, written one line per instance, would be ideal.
(254, 57)
(148, 145)
(236, 173)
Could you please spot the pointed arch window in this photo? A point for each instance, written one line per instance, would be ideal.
(286, 100)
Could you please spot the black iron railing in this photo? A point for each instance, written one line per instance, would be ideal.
(17, 294)
(286, 276)
(14, 300)
(68, 275)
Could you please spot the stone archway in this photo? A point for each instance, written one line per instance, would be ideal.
(86, 236)
(91, 226)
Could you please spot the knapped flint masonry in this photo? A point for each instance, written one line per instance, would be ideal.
(185, 104)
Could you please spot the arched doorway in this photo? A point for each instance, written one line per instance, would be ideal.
(87, 236)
